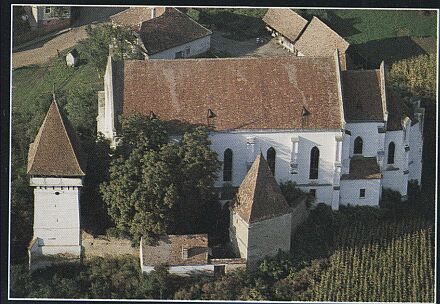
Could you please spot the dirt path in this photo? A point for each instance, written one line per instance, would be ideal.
(42, 51)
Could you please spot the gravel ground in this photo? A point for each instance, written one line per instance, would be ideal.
(268, 47)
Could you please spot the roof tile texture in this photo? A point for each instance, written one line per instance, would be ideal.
(169, 250)
(259, 197)
(134, 16)
(244, 93)
(285, 21)
(363, 168)
(320, 40)
(172, 28)
(362, 95)
(56, 150)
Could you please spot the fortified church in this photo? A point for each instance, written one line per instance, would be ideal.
(339, 134)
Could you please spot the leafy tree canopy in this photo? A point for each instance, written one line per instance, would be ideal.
(158, 185)
(119, 39)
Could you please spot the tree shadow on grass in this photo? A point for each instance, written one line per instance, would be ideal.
(343, 26)
(389, 50)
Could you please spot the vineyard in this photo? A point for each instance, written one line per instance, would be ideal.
(387, 262)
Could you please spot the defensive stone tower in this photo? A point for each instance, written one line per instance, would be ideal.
(56, 167)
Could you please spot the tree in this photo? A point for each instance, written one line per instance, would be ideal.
(101, 37)
(82, 109)
(156, 186)
(416, 76)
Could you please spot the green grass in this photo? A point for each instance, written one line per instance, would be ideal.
(367, 25)
(388, 35)
(32, 88)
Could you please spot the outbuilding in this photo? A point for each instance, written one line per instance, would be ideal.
(72, 58)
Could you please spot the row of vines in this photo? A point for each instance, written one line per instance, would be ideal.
(388, 262)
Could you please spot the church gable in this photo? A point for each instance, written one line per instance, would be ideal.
(259, 197)
(55, 150)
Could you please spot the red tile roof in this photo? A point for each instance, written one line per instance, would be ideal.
(134, 16)
(363, 168)
(259, 197)
(285, 21)
(318, 39)
(169, 250)
(56, 150)
(244, 93)
(171, 29)
(362, 95)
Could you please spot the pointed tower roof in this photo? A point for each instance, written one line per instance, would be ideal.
(56, 150)
(259, 196)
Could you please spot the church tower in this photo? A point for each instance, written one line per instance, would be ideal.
(56, 166)
(260, 223)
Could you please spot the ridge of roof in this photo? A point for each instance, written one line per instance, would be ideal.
(252, 202)
(285, 21)
(49, 153)
(189, 87)
(156, 35)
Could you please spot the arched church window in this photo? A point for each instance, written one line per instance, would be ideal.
(314, 163)
(391, 151)
(271, 155)
(227, 165)
(358, 145)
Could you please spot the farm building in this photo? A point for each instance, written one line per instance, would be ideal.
(165, 33)
(306, 38)
(48, 17)
(72, 58)
(134, 16)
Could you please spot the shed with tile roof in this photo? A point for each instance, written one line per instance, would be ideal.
(285, 22)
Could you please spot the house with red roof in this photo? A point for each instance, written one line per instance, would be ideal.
(165, 32)
(305, 38)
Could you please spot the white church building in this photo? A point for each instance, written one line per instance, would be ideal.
(341, 135)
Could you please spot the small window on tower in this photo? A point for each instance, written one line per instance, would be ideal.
(362, 193)
(57, 193)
